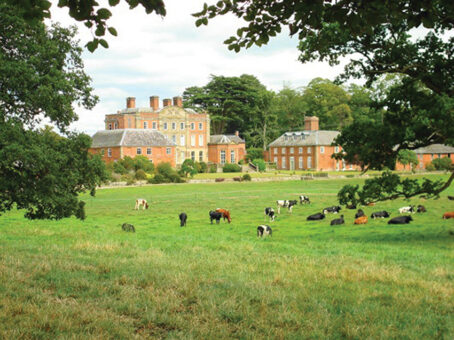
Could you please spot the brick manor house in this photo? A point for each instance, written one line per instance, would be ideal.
(168, 134)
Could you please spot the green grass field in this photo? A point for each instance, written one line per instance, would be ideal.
(89, 279)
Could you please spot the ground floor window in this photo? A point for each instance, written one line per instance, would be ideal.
(275, 160)
(232, 156)
(182, 156)
(300, 162)
(148, 151)
(222, 156)
(283, 165)
(193, 155)
(139, 151)
(200, 156)
(168, 151)
(309, 162)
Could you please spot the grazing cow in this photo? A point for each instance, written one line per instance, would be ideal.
(316, 217)
(333, 209)
(128, 227)
(451, 198)
(380, 214)
(421, 209)
(225, 214)
(448, 215)
(285, 203)
(183, 217)
(304, 199)
(400, 220)
(351, 206)
(263, 230)
(140, 202)
(359, 213)
(338, 221)
(214, 215)
(409, 209)
(361, 220)
(291, 204)
(270, 213)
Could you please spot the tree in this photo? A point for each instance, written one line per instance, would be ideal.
(290, 108)
(188, 168)
(377, 35)
(86, 11)
(41, 76)
(407, 157)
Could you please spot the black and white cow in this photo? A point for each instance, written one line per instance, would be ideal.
(214, 215)
(183, 217)
(409, 209)
(380, 214)
(264, 230)
(316, 217)
(400, 220)
(338, 221)
(285, 203)
(359, 213)
(304, 199)
(334, 209)
(421, 209)
(270, 213)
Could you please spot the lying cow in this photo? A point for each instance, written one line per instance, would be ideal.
(214, 215)
(333, 209)
(359, 213)
(448, 215)
(140, 202)
(285, 203)
(225, 214)
(409, 209)
(421, 209)
(183, 217)
(400, 220)
(270, 213)
(304, 199)
(351, 206)
(264, 230)
(316, 217)
(361, 220)
(380, 214)
(338, 221)
(451, 198)
(128, 227)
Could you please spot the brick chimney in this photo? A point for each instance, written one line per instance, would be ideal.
(178, 101)
(237, 133)
(131, 102)
(311, 123)
(167, 102)
(154, 103)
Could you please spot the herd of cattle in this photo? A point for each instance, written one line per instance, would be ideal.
(263, 230)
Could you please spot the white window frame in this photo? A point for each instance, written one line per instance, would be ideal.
(309, 162)
(336, 149)
(193, 156)
(174, 126)
(283, 150)
(153, 125)
(275, 160)
(232, 156)
(309, 149)
(292, 150)
(283, 163)
(222, 156)
(181, 126)
(192, 126)
(149, 151)
(322, 149)
(109, 152)
(165, 126)
(200, 140)
(300, 150)
(168, 151)
(275, 151)
(145, 125)
(174, 139)
(200, 126)
(193, 140)
(182, 140)
(300, 162)
(183, 156)
(200, 156)
(139, 151)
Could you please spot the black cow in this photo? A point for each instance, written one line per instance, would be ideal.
(359, 213)
(304, 199)
(451, 198)
(316, 217)
(334, 209)
(380, 214)
(214, 215)
(400, 220)
(291, 204)
(338, 221)
(351, 206)
(183, 217)
(263, 230)
(270, 212)
(421, 209)
(128, 227)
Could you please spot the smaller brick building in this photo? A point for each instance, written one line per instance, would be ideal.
(428, 153)
(116, 144)
(226, 149)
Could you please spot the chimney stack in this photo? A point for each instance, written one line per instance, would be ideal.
(178, 101)
(311, 123)
(167, 102)
(130, 102)
(237, 133)
(154, 103)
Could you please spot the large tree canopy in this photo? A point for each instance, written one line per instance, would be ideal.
(42, 76)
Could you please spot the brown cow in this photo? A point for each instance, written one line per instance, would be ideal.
(361, 220)
(448, 215)
(225, 214)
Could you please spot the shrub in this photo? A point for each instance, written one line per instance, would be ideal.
(246, 177)
(143, 163)
(201, 167)
(130, 181)
(119, 168)
(127, 162)
(442, 163)
(231, 167)
(213, 168)
(188, 168)
(260, 164)
(140, 175)
(164, 169)
(165, 174)
(430, 167)
(254, 153)
(321, 174)
(157, 179)
(175, 178)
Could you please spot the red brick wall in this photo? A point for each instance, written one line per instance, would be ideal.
(158, 154)
(424, 160)
(214, 152)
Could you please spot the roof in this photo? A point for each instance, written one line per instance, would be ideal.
(306, 138)
(130, 137)
(225, 139)
(150, 110)
(435, 148)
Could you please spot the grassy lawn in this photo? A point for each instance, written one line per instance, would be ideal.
(74, 279)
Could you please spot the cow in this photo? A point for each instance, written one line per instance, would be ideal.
(304, 199)
(338, 221)
(214, 215)
(421, 209)
(359, 213)
(409, 209)
(451, 198)
(370, 204)
(291, 203)
(285, 203)
(316, 217)
(361, 220)
(333, 209)
(140, 202)
(351, 206)
(183, 217)
(270, 213)
(225, 214)
(448, 215)
(400, 220)
(263, 230)
(380, 214)
(128, 227)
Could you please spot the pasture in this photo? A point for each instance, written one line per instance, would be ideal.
(90, 279)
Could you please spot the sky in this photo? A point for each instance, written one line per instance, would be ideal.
(162, 56)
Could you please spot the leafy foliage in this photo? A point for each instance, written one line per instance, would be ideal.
(140, 175)
(246, 177)
(444, 163)
(407, 157)
(188, 168)
(260, 164)
(231, 167)
(254, 153)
